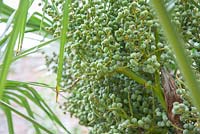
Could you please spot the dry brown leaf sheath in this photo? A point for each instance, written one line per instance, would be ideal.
(169, 86)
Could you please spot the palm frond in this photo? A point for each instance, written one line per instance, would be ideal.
(63, 39)
(22, 94)
(18, 30)
(19, 22)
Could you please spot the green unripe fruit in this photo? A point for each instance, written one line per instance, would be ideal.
(113, 56)
(140, 123)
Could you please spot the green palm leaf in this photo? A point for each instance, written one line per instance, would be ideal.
(63, 40)
(18, 30)
(21, 93)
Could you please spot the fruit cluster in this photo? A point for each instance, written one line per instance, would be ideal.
(105, 35)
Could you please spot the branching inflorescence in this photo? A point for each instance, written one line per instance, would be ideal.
(113, 59)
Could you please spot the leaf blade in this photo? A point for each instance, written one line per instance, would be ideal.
(63, 40)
